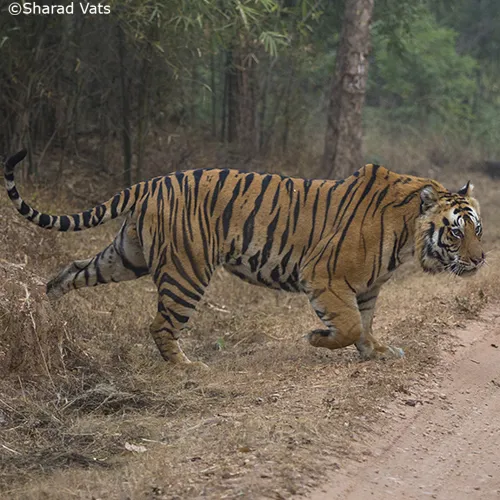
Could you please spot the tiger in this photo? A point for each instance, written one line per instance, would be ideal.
(336, 241)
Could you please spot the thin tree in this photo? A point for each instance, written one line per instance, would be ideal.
(343, 141)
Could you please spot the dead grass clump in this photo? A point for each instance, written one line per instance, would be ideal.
(32, 340)
(106, 398)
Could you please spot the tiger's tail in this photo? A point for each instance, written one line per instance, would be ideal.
(118, 205)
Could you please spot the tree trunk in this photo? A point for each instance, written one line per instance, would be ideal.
(126, 135)
(244, 69)
(286, 114)
(225, 96)
(232, 98)
(343, 141)
(213, 94)
(143, 105)
(261, 124)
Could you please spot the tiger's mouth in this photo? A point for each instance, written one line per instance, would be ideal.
(432, 263)
(465, 269)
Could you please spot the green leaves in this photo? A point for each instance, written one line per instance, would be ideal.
(271, 40)
(423, 75)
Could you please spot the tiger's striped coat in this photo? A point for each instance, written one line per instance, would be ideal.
(336, 241)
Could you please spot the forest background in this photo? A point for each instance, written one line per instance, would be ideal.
(245, 84)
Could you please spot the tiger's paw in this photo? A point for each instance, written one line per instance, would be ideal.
(382, 352)
(322, 338)
(396, 352)
(194, 366)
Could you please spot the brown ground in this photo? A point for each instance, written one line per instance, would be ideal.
(89, 410)
(442, 444)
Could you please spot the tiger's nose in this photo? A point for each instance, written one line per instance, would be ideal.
(477, 261)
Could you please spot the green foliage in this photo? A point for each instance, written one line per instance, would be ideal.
(425, 78)
(270, 24)
(220, 344)
(434, 63)
(394, 19)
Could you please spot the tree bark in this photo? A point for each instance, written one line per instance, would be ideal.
(213, 94)
(126, 133)
(343, 141)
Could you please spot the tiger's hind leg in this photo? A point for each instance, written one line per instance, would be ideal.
(178, 296)
(122, 260)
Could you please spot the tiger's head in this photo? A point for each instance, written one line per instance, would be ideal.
(448, 232)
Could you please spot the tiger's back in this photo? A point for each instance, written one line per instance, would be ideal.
(215, 217)
(265, 228)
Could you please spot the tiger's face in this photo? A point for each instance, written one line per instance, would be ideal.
(449, 230)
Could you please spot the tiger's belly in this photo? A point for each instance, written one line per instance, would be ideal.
(275, 277)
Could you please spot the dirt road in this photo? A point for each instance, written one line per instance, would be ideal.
(446, 447)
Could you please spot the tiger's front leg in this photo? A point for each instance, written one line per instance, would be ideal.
(336, 306)
(367, 345)
(349, 320)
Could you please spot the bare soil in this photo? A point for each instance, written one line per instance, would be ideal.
(444, 444)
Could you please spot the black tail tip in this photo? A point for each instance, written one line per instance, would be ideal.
(13, 160)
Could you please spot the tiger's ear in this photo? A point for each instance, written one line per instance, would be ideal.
(466, 190)
(429, 198)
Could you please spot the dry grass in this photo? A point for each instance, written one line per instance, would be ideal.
(89, 410)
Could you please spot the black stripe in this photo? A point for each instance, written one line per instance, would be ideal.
(179, 317)
(248, 226)
(343, 199)
(380, 198)
(204, 241)
(126, 197)
(178, 300)
(215, 196)
(392, 260)
(285, 260)
(166, 278)
(307, 186)
(13, 194)
(197, 176)
(248, 181)
(296, 212)
(350, 286)
(266, 251)
(275, 274)
(44, 220)
(180, 177)
(142, 215)
(180, 269)
(254, 261)
(64, 223)
(24, 209)
(313, 222)
(100, 276)
(114, 206)
(381, 244)
(275, 199)
(367, 189)
(222, 177)
(228, 211)
(327, 208)
(372, 277)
